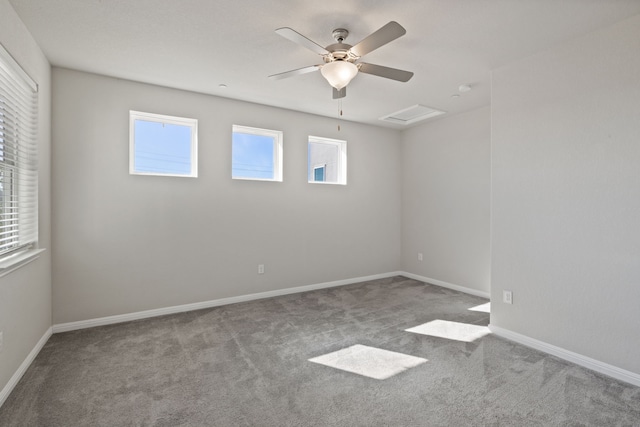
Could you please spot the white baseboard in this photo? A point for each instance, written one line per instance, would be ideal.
(8, 388)
(447, 285)
(578, 359)
(82, 324)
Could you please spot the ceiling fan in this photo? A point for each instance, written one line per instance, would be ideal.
(340, 59)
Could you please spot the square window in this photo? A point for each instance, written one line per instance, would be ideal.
(256, 154)
(162, 145)
(327, 161)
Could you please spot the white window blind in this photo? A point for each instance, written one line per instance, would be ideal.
(18, 158)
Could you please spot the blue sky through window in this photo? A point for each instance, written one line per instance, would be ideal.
(162, 148)
(252, 156)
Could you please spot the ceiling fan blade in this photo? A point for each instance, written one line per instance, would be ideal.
(384, 35)
(337, 94)
(296, 37)
(386, 72)
(297, 72)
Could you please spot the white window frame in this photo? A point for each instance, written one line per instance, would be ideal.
(277, 136)
(164, 119)
(18, 127)
(341, 161)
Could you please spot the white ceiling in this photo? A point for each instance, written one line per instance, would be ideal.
(197, 45)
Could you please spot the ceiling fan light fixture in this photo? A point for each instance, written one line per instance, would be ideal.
(339, 73)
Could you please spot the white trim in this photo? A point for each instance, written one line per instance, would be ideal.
(578, 359)
(447, 285)
(90, 323)
(192, 124)
(13, 381)
(20, 259)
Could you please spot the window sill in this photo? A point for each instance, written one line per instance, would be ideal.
(243, 178)
(14, 262)
(327, 182)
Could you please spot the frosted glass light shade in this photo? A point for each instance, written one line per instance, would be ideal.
(339, 73)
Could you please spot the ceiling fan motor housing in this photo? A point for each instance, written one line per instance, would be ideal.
(340, 34)
(340, 51)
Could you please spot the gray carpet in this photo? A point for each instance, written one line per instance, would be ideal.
(248, 365)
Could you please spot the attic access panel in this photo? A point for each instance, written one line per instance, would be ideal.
(412, 115)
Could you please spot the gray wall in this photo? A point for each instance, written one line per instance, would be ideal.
(25, 294)
(565, 198)
(445, 199)
(126, 243)
(566, 195)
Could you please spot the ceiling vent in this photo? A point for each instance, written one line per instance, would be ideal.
(412, 115)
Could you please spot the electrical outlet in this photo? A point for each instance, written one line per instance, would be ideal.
(1, 341)
(260, 268)
(420, 256)
(507, 297)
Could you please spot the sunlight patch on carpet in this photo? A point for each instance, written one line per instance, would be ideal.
(369, 361)
(451, 330)
(485, 308)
